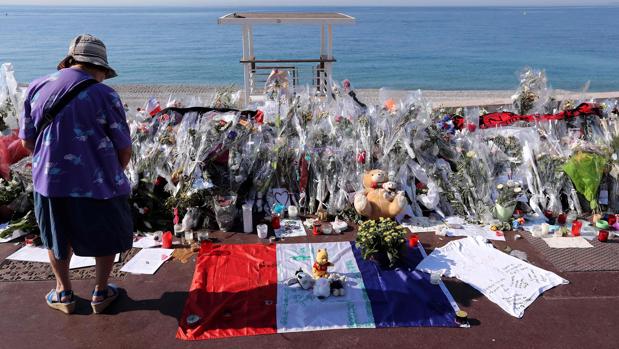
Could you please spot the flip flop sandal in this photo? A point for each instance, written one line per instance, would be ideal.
(99, 307)
(53, 301)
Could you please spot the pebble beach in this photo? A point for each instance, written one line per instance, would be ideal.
(136, 95)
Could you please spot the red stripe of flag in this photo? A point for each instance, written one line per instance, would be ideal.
(233, 292)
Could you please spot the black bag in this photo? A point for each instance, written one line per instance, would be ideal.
(49, 116)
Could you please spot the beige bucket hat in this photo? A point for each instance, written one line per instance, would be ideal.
(87, 48)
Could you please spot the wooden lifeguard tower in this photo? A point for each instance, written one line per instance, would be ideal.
(315, 72)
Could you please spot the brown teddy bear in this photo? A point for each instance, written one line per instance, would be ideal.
(319, 269)
(379, 197)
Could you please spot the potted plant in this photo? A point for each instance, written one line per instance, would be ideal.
(381, 241)
(505, 203)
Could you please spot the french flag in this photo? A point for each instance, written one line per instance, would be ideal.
(152, 106)
(240, 290)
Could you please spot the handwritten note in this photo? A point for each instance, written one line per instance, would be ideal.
(510, 283)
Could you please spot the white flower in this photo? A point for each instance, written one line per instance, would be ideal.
(500, 186)
(471, 154)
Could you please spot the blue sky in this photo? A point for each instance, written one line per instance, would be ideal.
(254, 3)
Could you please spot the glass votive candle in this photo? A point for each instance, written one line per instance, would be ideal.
(576, 226)
(189, 237)
(603, 235)
(275, 221)
(612, 219)
(263, 230)
(203, 236)
(413, 240)
(293, 212)
(327, 229)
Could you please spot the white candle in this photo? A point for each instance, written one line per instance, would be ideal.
(293, 212)
(248, 224)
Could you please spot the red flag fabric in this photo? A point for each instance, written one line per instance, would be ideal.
(233, 293)
(499, 119)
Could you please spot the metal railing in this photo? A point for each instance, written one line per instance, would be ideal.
(302, 72)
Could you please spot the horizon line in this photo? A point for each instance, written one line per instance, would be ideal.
(609, 4)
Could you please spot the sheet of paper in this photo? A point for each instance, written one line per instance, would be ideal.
(290, 228)
(507, 281)
(39, 254)
(423, 225)
(147, 241)
(567, 242)
(475, 231)
(147, 261)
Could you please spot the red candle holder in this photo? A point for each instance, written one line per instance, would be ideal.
(612, 219)
(413, 240)
(316, 229)
(603, 235)
(576, 226)
(166, 239)
(275, 221)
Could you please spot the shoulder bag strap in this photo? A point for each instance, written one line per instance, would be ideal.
(49, 116)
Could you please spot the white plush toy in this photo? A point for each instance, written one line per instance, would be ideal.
(322, 288)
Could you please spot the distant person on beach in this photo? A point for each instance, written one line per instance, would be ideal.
(77, 131)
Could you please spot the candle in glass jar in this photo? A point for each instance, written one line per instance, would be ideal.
(603, 235)
(275, 221)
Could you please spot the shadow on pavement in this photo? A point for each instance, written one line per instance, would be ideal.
(170, 304)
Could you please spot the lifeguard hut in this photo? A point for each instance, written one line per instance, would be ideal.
(315, 72)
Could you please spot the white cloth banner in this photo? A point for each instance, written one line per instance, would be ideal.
(507, 281)
(299, 310)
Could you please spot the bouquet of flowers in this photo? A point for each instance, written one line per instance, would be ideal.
(586, 169)
(381, 240)
(506, 200)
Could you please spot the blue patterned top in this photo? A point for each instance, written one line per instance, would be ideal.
(77, 154)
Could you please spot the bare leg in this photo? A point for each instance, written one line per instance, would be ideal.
(103, 270)
(60, 267)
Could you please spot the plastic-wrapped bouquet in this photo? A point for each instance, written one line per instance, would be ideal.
(533, 95)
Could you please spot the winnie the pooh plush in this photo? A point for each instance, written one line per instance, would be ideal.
(319, 269)
(379, 197)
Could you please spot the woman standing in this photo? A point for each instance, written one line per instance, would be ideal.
(76, 128)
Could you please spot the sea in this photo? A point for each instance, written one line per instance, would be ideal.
(438, 48)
